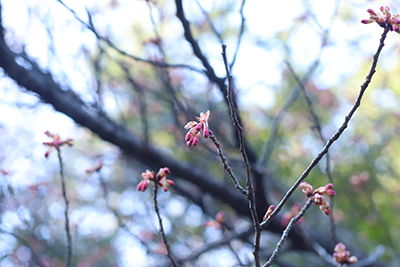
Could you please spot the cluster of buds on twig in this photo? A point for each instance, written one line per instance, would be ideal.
(192, 137)
(342, 256)
(383, 19)
(218, 222)
(161, 178)
(56, 143)
(317, 195)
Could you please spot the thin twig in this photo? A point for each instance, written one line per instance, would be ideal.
(214, 245)
(334, 137)
(111, 44)
(195, 46)
(285, 233)
(67, 230)
(240, 35)
(142, 103)
(210, 22)
(169, 254)
(318, 127)
(225, 164)
(267, 149)
(250, 191)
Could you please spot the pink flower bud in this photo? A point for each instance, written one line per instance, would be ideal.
(306, 188)
(352, 259)
(199, 127)
(396, 28)
(318, 199)
(329, 186)
(188, 136)
(166, 171)
(206, 132)
(370, 11)
(366, 21)
(325, 209)
(143, 185)
(330, 193)
(269, 211)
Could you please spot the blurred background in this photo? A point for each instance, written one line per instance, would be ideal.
(132, 62)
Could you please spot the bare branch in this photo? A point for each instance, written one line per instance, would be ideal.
(111, 44)
(160, 222)
(285, 233)
(239, 41)
(318, 128)
(225, 164)
(336, 136)
(250, 192)
(67, 230)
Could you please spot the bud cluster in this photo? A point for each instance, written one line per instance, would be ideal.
(342, 256)
(161, 177)
(192, 137)
(317, 195)
(383, 19)
(56, 143)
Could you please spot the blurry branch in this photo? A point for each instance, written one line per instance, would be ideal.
(242, 149)
(285, 233)
(267, 150)
(239, 41)
(210, 22)
(67, 230)
(121, 223)
(195, 46)
(97, 73)
(160, 222)
(322, 253)
(91, 27)
(318, 128)
(35, 257)
(142, 103)
(268, 147)
(372, 259)
(336, 136)
(224, 241)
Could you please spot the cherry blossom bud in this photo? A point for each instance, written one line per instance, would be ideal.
(318, 199)
(192, 137)
(370, 11)
(325, 208)
(143, 185)
(367, 21)
(352, 259)
(269, 211)
(148, 175)
(306, 188)
(164, 182)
